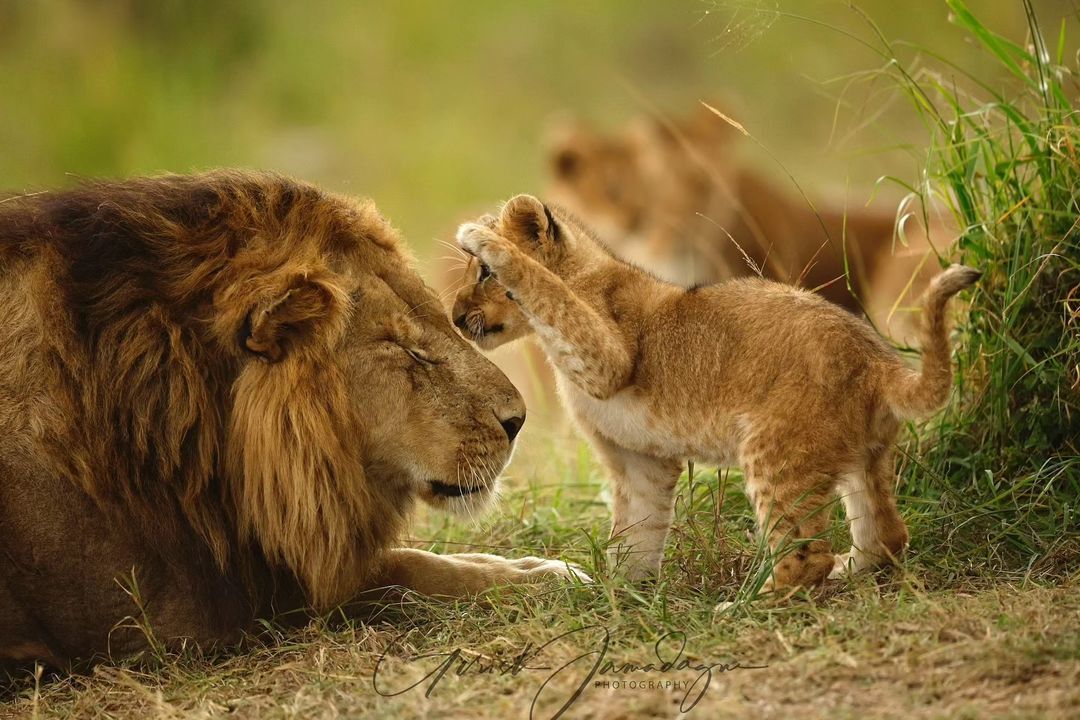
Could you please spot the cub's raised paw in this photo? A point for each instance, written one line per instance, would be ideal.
(489, 221)
(479, 240)
(536, 569)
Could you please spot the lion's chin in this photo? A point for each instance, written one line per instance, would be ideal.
(460, 500)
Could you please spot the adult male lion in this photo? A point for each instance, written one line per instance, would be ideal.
(220, 395)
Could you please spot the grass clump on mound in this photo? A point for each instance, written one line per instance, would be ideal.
(1000, 470)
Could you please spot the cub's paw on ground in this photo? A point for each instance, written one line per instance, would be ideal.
(844, 565)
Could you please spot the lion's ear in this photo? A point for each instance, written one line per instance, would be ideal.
(289, 317)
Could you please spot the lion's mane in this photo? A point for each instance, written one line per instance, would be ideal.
(142, 288)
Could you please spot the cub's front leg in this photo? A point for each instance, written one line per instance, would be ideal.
(643, 489)
(584, 346)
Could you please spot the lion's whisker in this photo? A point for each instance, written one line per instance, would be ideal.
(451, 290)
(457, 262)
(457, 250)
(469, 484)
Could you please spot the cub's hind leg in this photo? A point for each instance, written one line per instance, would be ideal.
(793, 506)
(878, 533)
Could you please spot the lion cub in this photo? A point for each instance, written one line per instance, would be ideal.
(801, 394)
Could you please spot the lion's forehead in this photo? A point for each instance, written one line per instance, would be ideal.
(410, 294)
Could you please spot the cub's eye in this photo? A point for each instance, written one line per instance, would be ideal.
(485, 272)
(420, 356)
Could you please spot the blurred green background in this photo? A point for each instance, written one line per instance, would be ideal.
(437, 109)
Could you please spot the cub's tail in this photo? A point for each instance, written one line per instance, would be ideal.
(913, 394)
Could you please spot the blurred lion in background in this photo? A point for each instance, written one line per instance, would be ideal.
(220, 397)
(674, 198)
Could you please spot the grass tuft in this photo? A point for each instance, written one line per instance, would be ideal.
(997, 476)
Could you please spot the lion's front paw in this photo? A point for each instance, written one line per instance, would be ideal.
(534, 568)
(480, 241)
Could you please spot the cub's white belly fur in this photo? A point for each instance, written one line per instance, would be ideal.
(627, 420)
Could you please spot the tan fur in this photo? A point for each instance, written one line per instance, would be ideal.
(220, 396)
(523, 363)
(675, 198)
(804, 396)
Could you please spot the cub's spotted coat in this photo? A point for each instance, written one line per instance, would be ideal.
(803, 395)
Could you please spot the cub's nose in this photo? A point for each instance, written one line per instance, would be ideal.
(459, 321)
(512, 426)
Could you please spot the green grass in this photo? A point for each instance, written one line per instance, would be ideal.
(1002, 464)
(983, 617)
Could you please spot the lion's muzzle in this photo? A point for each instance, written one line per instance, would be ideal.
(451, 491)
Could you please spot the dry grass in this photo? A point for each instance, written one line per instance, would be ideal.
(912, 642)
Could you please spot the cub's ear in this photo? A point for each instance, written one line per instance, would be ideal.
(526, 219)
(297, 311)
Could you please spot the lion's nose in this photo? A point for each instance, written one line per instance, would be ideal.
(512, 426)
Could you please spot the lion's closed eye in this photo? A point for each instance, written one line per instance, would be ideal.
(420, 356)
